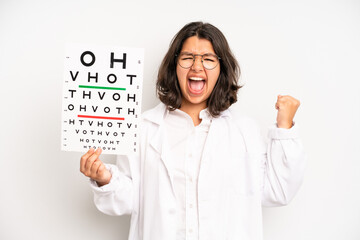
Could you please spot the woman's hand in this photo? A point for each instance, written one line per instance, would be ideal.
(287, 107)
(92, 167)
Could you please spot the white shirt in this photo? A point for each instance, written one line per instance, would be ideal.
(238, 176)
(186, 143)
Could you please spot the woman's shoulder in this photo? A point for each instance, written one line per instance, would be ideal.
(242, 121)
(250, 131)
(154, 115)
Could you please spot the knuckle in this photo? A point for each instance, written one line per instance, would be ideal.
(295, 102)
(89, 161)
(101, 170)
(96, 164)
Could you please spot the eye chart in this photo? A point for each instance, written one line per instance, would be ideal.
(101, 103)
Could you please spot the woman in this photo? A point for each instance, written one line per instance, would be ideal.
(201, 173)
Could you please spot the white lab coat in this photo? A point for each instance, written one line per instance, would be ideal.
(238, 175)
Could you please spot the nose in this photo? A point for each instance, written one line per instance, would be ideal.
(197, 66)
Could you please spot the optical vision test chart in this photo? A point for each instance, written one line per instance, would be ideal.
(102, 93)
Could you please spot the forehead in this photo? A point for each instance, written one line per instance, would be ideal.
(197, 45)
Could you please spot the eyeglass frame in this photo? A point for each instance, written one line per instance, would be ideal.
(202, 59)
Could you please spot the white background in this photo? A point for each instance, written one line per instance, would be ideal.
(309, 49)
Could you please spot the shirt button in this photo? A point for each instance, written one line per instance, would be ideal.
(190, 230)
(190, 205)
(190, 179)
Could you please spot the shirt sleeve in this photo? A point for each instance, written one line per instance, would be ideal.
(116, 197)
(283, 166)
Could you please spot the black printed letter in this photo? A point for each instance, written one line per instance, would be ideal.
(96, 77)
(123, 60)
(92, 60)
(131, 78)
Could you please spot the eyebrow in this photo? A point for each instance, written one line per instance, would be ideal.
(189, 53)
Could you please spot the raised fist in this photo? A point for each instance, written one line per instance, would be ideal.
(287, 107)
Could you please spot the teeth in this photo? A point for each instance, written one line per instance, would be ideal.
(196, 79)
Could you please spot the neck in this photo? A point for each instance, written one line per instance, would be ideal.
(193, 110)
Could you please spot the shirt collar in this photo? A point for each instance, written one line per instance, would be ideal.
(158, 114)
(205, 115)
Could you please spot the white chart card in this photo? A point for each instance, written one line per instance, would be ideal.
(101, 103)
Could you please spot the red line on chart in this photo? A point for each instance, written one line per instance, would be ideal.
(99, 117)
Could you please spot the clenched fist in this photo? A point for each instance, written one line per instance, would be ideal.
(287, 107)
(92, 167)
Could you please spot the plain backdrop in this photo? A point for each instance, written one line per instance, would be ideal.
(309, 49)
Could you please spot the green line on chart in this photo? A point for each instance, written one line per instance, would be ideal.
(96, 87)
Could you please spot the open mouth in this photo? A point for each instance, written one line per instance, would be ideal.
(196, 84)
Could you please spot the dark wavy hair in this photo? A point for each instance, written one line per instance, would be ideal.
(224, 93)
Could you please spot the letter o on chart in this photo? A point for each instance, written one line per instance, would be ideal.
(85, 54)
(71, 107)
(113, 77)
(116, 97)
